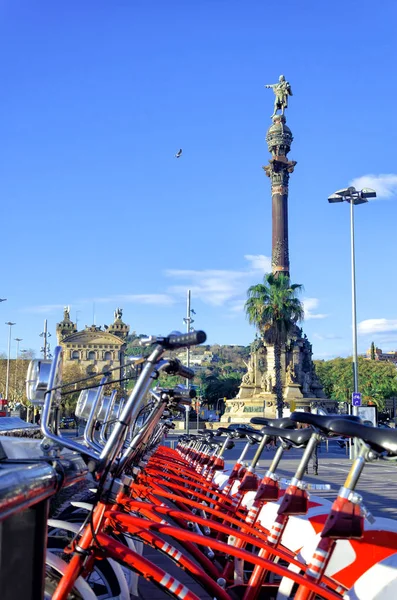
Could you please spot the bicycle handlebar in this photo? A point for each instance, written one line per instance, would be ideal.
(175, 367)
(179, 391)
(176, 340)
(186, 372)
(183, 392)
(180, 340)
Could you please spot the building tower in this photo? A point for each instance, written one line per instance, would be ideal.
(118, 327)
(65, 327)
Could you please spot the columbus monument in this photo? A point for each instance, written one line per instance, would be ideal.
(256, 396)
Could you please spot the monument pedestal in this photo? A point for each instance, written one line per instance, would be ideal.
(293, 392)
(240, 410)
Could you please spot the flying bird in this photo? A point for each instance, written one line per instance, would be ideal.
(179, 153)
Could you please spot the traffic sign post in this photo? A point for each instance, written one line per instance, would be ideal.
(356, 399)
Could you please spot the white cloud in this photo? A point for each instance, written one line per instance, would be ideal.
(218, 287)
(310, 305)
(385, 185)
(212, 287)
(260, 262)
(377, 326)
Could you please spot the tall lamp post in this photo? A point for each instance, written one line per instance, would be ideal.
(353, 197)
(188, 320)
(8, 357)
(45, 335)
(17, 340)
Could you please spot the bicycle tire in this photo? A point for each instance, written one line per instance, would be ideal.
(107, 587)
(54, 570)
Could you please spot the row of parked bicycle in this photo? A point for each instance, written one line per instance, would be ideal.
(238, 536)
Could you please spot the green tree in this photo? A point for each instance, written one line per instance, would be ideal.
(72, 374)
(377, 380)
(16, 377)
(220, 386)
(372, 351)
(273, 307)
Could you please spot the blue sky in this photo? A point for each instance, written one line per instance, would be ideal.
(97, 96)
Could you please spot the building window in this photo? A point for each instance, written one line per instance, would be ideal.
(107, 356)
(75, 355)
(91, 355)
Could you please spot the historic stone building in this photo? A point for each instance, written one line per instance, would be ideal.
(95, 349)
(390, 356)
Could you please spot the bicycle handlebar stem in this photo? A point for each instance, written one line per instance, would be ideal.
(310, 448)
(148, 427)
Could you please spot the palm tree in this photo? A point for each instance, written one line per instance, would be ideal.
(273, 307)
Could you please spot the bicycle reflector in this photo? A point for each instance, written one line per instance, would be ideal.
(37, 380)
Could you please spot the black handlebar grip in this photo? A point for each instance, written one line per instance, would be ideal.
(175, 367)
(185, 372)
(183, 392)
(181, 340)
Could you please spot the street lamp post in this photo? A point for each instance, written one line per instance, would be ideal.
(354, 197)
(45, 335)
(17, 340)
(8, 357)
(188, 320)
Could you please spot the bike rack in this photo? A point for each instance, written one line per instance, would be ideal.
(26, 486)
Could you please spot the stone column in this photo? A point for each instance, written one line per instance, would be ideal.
(280, 254)
(279, 139)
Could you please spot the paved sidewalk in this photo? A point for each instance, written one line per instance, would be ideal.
(378, 486)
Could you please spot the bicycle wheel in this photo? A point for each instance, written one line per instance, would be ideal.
(54, 569)
(102, 580)
(57, 527)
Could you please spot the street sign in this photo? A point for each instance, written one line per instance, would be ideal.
(356, 399)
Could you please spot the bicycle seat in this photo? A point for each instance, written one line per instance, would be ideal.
(243, 430)
(217, 440)
(224, 430)
(284, 423)
(296, 437)
(254, 436)
(324, 423)
(379, 440)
